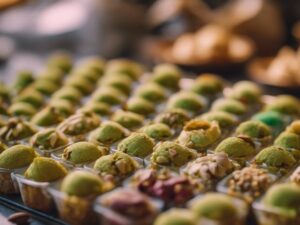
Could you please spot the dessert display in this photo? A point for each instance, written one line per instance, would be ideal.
(137, 144)
(199, 134)
(165, 185)
(171, 154)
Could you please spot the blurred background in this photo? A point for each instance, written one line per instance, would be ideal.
(230, 37)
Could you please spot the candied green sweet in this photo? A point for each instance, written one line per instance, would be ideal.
(140, 106)
(294, 127)
(95, 64)
(275, 156)
(118, 164)
(83, 152)
(229, 105)
(136, 144)
(174, 118)
(85, 73)
(188, 101)
(16, 129)
(48, 116)
(82, 184)
(274, 120)
(246, 92)
(23, 80)
(236, 147)
(176, 216)
(129, 120)
(81, 84)
(285, 104)
(30, 96)
(285, 198)
(108, 133)
(2, 147)
(208, 85)
(253, 129)
(108, 95)
(48, 139)
(157, 131)
(151, 92)
(124, 66)
(22, 109)
(80, 123)
(100, 108)
(215, 206)
(64, 107)
(54, 75)
(288, 140)
(199, 134)
(123, 83)
(167, 75)
(60, 60)
(68, 93)
(224, 119)
(172, 154)
(46, 87)
(17, 156)
(44, 169)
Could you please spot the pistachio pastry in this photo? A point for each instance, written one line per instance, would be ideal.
(137, 144)
(86, 74)
(129, 120)
(63, 107)
(229, 105)
(295, 177)
(140, 106)
(23, 80)
(46, 87)
(167, 75)
(224, 119)
(2, 147)
(95, 64)
(4, 92)
(30, 96)
(68, 93)
(122, 83)
(81, 84)
(157, 131)
(172, 154)
(247, 92)
(100, 108)
(290, 142)
(22, 109)
(274, 120)
(285, 104)
(176, 216)
(253, 129)
(294, 127)
(54, 75)
(174, 118)
(209, 85)
(108, 95)
(83, 152)
(151, 92)
(125, 67)
(48, 116)
(60, 60)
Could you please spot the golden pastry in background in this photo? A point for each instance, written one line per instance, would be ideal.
(4, 4)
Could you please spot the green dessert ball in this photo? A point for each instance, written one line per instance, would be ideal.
(17, 156)
(188, 101)
(47, 117)
(274, 120)
(46, 87)
(275, 156)
(176, 217)
(236, 147)
(215, 206)
(125, 67)
(54, 75)
(16, 129)
(100, 108)
(157, 131)
(174, 118)
(68, 93)
(288, 140)
(95, 64)
(82, 184)
(81, 84)
(140, 106)
(64, 107)
(4, 91)
(85, 73)
(22, 109)
(167, 75)
(285, 198)
(31, 96)
(199, 134)
(108, 133)
(129, 120)
(83, 152)
(118, 164)
(208, 85)
(224, 119)
(123, 84)
(60, 60)
(253, 129)
(172, 154)
(44, 169)
(137, 144)
(2, 147)
(80, 123)
(108, 95)
(23, 80)
(229, 105)
(151, 92)
(246, 92)
(285, 104)
(294, 127)
(49, 139)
